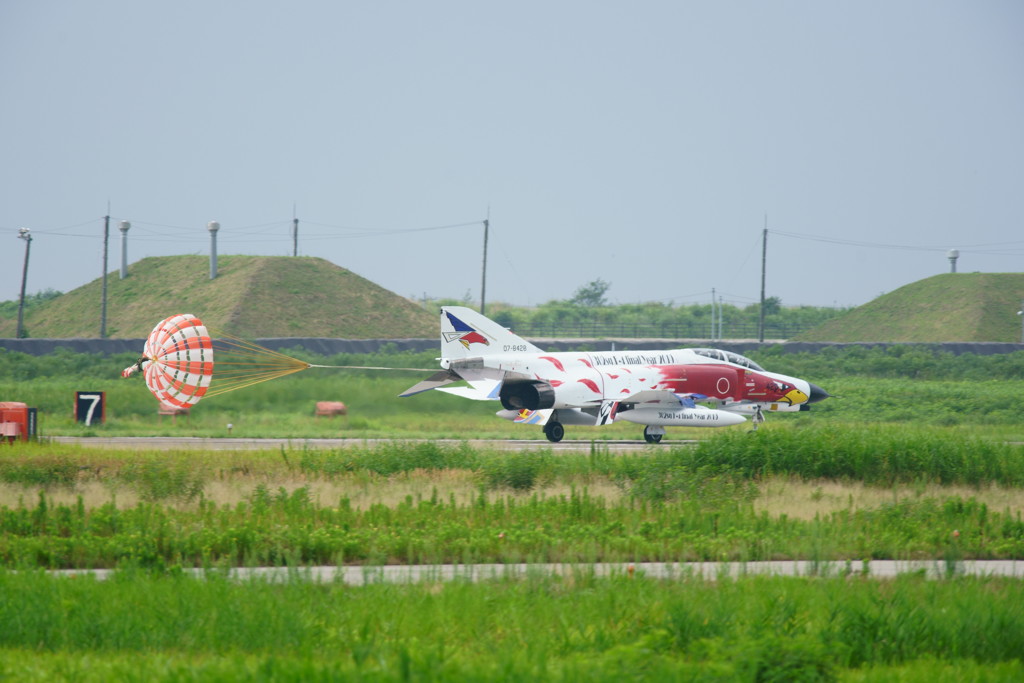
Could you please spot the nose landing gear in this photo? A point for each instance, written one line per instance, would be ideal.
(653, 434)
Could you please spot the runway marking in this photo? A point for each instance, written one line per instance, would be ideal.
(705, 571)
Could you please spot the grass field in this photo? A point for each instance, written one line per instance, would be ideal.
(579, 627)
(895, 469)
(285, 408)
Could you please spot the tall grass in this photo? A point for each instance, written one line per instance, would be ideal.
(661, 514)
(672, 504)
(871, 454)
(578, 627)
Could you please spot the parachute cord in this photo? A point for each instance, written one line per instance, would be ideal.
(368, 367)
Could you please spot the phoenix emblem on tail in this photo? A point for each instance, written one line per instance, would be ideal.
(463, 333)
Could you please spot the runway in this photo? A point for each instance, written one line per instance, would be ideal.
(229, 443)
(705, 571)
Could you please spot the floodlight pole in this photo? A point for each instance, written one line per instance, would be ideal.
(213, 227)
(24, 234)
(124, 227)
(952, 255)
(1020, 312)
(103, 307)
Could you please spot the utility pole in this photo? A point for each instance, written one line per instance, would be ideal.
(712, 314)
(764, 260)
(483, 282)
(103, 308)
(24, 234)
(721, 307)
(295, 233)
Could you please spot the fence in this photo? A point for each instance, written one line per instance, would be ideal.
(671, 330)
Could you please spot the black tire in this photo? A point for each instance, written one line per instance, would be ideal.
(652, 438)
(554, 431)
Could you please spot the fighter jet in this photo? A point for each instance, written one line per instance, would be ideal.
(674, 388)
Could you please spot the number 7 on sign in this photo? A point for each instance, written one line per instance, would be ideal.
(89, 402)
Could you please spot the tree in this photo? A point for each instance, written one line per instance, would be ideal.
(772, 305)
(591, 294)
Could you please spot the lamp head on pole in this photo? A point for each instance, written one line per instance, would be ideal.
(213, 227)
(953, 255)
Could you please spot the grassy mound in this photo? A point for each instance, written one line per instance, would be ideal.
(967, 307)
(252, 296)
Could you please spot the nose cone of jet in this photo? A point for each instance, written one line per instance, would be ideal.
(817, 394)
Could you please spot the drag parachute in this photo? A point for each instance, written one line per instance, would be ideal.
(178, 362)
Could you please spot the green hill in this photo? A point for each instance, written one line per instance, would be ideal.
(968, 307)
(252, 296)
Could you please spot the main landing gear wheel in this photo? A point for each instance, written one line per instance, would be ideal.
(554, 431)
(652, 437)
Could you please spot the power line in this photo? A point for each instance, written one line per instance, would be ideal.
(372, 232)
(54, 231)
(904, 247)
(150, 231)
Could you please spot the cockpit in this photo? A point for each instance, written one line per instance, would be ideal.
(728, 357)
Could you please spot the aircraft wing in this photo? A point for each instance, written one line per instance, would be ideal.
(478, 390)
(438, 379)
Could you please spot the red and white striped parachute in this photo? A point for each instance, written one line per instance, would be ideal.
(177, 361)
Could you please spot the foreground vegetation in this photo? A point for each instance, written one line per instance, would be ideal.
(580, 627)
(151, 514)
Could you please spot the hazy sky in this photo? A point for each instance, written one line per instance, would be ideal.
(642, 143)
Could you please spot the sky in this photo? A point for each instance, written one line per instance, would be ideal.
(647, 144)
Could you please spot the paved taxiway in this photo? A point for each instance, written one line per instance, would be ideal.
(231, 443)
(709, 571)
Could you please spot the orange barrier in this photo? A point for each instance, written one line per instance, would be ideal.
(13, 421)
(330, 408)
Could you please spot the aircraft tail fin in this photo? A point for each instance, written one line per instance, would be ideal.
(466, 333)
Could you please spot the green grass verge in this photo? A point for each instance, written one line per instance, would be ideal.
(578, 627)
